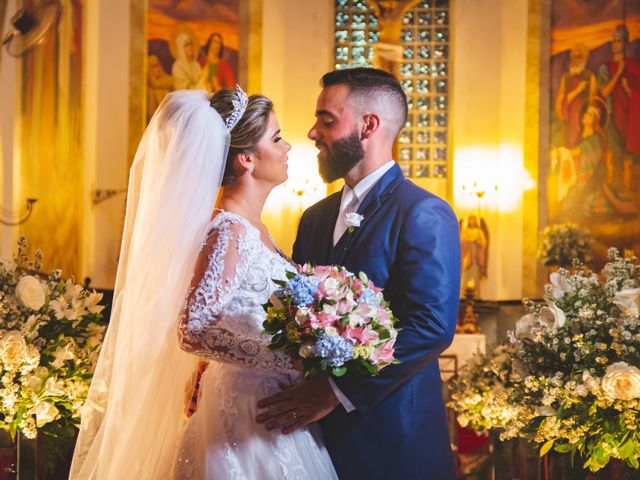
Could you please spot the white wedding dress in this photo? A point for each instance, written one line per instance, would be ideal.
(223, 324)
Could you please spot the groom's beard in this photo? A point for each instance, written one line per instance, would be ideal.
(343, 155)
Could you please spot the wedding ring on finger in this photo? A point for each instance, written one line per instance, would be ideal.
(294, 414)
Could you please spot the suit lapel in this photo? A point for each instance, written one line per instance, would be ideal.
(371, 203)
(326, 238)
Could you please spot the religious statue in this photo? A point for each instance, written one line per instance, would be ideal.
(388, 50)
(474, 237)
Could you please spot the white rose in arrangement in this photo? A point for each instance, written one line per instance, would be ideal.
(525, 325)
(628, 301)
(622, 381)
(552, 317)
(13, 348)
(44, 412)
(31, 292)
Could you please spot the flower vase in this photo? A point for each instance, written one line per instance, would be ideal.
(22, 458)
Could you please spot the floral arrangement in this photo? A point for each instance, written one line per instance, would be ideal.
(568, 378)
(560, 244)
(332, 321)
(50, 337)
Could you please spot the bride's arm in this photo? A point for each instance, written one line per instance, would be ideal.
(206, 324)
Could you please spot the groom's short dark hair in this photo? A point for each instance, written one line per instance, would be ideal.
(371, 85)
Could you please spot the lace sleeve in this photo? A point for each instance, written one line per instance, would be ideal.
(207, 324)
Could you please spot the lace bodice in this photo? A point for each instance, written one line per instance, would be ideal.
(223, 316)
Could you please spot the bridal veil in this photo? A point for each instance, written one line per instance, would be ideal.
(133, 416)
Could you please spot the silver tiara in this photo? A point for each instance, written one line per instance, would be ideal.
(240, 101)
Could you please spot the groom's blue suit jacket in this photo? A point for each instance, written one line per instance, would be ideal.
(408, 243)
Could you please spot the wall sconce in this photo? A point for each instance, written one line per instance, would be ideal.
(18, 217)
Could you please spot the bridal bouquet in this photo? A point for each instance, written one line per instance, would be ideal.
(50, 337)
(333, 321)
(569, 377)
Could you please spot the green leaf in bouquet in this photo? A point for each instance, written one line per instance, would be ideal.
(563, 447)
(290, 275)
(339, 371)
(546, 447)
(280, 283)
(278, 341)
(627, 449)
(383, 334)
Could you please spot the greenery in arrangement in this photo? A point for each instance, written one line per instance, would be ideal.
(560, 244)
(568, 378)
(50, 338)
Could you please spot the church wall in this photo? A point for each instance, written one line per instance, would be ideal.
(296, 48)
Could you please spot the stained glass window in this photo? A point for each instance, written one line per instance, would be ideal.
(422, 149)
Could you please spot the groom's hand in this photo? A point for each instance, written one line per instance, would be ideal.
(298, 405)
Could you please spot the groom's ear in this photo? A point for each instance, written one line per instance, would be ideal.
(371, 123)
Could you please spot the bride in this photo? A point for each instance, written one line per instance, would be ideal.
(223, 261)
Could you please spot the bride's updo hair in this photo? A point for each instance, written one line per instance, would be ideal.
(249, 129)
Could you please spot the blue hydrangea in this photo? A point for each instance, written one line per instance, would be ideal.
(335, 350)
(302, 289)
(369, 296)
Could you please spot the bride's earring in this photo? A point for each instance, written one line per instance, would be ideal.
(250, 169)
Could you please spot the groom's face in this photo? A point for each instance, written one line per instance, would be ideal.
(335, 134)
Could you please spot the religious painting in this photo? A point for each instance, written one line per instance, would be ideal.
(191, 44)
(592, 175)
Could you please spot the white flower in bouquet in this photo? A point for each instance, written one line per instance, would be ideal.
(545, 411)
(95, 333)
(91, 303)
(13, 349)
(559, 285)
(525, 326)
(628, 301)
(622, 381)
(552, 317)
(33, 381)
(53, 387)
(45, 413)
(31, 292)
(590, 382)
(62, 354)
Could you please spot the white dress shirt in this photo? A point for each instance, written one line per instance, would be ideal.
(353, 197)
(350, 202)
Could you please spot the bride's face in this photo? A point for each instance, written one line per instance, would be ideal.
(271, 149)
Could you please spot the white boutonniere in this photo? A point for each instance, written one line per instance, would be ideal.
(353, 220)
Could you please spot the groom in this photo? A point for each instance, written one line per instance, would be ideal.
(392, 425)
